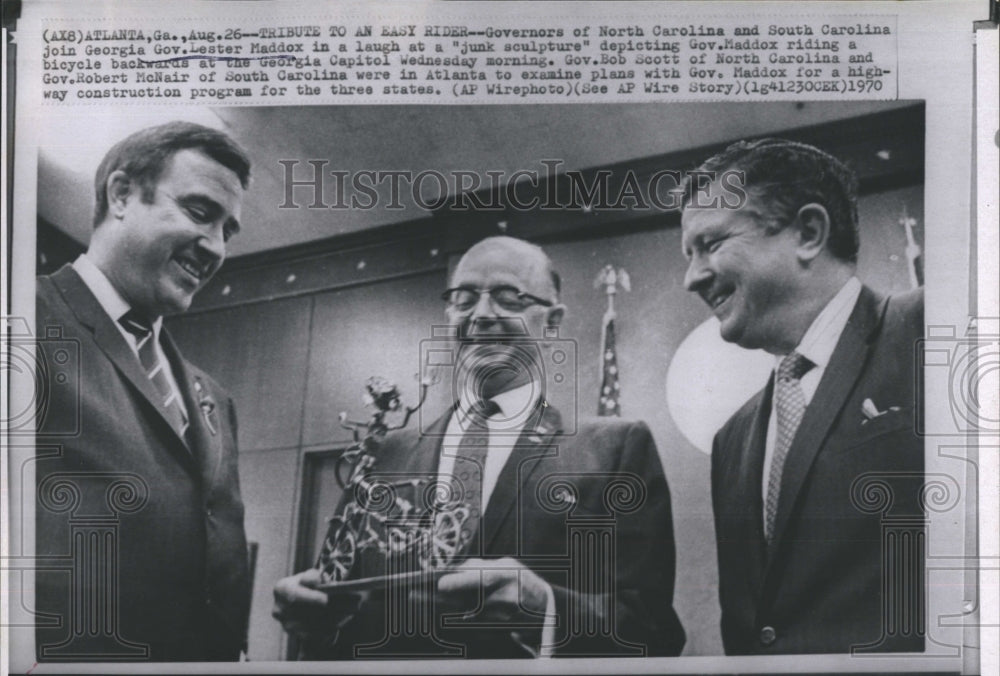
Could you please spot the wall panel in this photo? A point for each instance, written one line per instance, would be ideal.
(258, 352)
(268, 481)
(361, 332)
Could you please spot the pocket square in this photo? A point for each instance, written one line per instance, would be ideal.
(870, 411)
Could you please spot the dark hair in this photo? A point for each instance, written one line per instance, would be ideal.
(145, 154)
(556, 280)
(784, 176)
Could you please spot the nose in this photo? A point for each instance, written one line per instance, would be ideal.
(213, 242)
(697, 274)
(483, 308)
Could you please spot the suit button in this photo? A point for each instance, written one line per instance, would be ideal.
(208, 511)
(768, 635)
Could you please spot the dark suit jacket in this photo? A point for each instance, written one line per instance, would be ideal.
(849, 489)
(145, 531)
(618, 605)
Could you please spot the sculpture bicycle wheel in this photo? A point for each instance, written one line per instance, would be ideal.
(337, 557)
(446, 536)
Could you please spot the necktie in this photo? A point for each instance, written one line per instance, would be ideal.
(470, 461)
(154, 368)
(790, 404)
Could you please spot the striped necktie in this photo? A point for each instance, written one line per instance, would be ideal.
(790, 405)
(155, 369)
(470, 463)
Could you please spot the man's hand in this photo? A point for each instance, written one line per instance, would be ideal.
(510, 591)
(307, 612)
(511, 594)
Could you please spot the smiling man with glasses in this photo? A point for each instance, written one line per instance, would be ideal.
(518, 586)
(504, 294)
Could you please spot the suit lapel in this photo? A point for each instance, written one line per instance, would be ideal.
(424, 457)
(531, 446)
(842, 372)
(748, 485)
(89, 312)
(203, 413)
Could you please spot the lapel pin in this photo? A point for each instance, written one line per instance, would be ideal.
(566, 497)
(207, 406)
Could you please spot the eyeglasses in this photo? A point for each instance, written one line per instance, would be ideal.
(507, 298)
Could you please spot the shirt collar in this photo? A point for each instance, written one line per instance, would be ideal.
(820, 339)
(105, 292)
(519, 402)
(516, 405)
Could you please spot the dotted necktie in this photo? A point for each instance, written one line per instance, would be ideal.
(790, 404)
(154, 368)
(470, 461)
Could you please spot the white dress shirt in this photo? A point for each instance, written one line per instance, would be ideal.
(516, 406)
(505, 426)
(116, 306)
(817, 345)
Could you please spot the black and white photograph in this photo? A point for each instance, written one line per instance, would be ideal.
(626, 367)
(625, 384)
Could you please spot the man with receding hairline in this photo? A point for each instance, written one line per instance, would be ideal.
(513, 593)
(801, 558)
(154, 456)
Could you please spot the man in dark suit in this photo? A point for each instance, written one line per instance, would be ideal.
(137, 484)
(815, 480)
(573, 553)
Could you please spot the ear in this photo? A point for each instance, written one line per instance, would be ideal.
(118, 188)
(555, 314)
(813, 223)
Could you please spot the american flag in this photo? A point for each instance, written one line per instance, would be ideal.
(608, 403)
